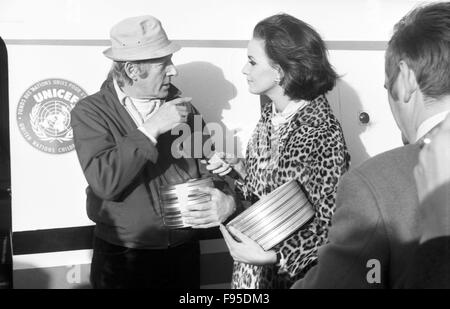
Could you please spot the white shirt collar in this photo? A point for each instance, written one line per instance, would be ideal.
(290, 109)
(120, 94)
(430, 123)
(293, 107)
(139, 109)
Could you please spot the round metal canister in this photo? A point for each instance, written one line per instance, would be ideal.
(175, 197)
(275, 216)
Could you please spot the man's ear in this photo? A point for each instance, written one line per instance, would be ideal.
(408, 80)
(131, 71)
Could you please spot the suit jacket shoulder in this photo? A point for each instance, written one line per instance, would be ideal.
(375, 225)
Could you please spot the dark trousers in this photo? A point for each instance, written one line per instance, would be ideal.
(116, 267)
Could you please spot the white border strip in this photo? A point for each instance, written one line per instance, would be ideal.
(78, 257)
(52, 259)
(332, 45)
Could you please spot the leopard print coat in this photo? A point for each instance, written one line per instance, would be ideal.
(312, 150)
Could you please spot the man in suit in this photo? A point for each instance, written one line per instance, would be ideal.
(376, 225)
(124, 144)
(430, 266)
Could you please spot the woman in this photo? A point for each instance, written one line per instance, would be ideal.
(297, 137)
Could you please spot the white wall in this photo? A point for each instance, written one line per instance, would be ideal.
(64, 39)
(359, 20)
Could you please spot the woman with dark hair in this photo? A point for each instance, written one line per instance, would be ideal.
(297, 137)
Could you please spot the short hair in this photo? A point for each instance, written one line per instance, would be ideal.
(422, 40)
(300, 52)
(120, 75)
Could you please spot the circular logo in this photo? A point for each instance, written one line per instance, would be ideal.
(43, 114)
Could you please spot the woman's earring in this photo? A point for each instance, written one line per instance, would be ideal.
(278, 78)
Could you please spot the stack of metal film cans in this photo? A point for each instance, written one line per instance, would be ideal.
(275, 216)
(174, 199)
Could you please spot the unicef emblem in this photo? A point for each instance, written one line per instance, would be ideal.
(43, 114)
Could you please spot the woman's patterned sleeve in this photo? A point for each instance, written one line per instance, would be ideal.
(241, 189)
(326, 159)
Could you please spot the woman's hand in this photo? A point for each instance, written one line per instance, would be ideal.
(221, 163)
(247, 250)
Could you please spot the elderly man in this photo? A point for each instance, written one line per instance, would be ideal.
(124, 141)
(376, 225)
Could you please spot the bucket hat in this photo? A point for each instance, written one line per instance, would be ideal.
(139, 38)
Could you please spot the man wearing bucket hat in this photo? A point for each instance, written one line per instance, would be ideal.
(123, 141)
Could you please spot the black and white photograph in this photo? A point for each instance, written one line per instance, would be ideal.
(240, 146)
